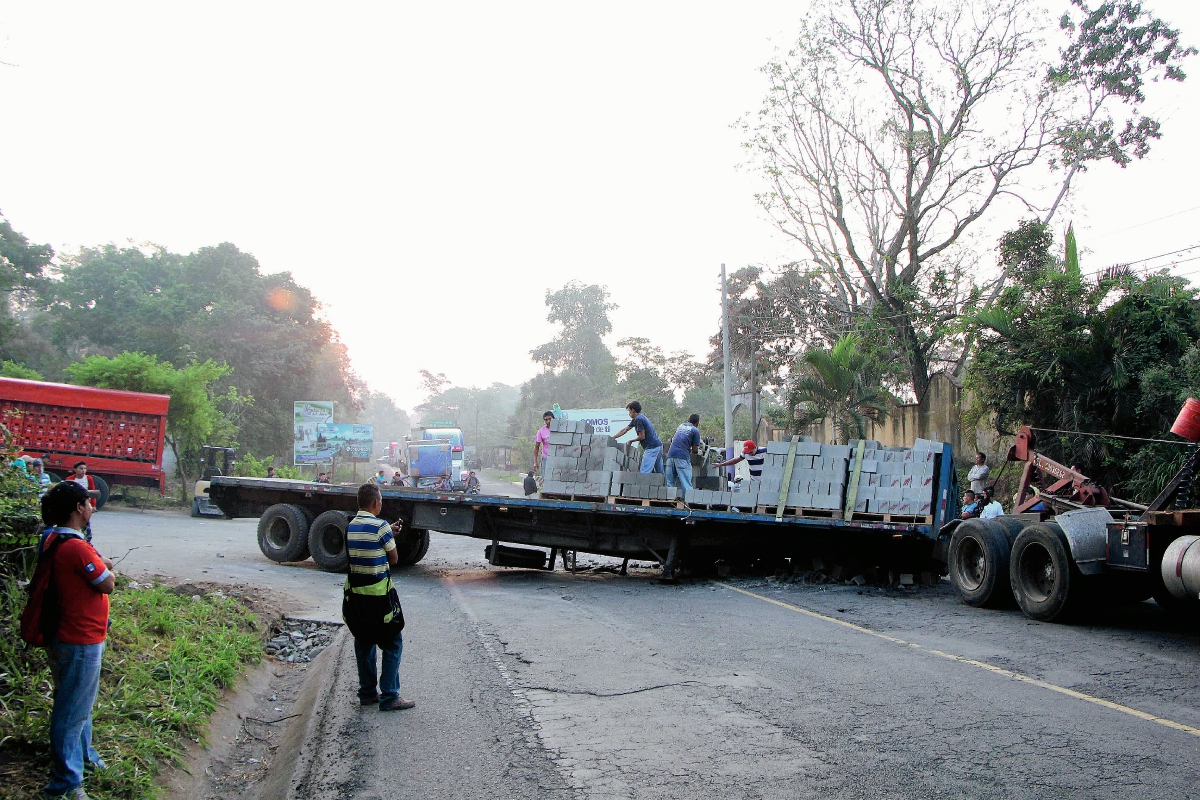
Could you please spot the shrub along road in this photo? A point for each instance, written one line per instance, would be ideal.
(532, 684)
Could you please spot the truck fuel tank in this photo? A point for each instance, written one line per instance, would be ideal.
(1181, 568)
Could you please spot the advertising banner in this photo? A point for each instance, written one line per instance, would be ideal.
(308, 414)
(345, 440)
(605, 421)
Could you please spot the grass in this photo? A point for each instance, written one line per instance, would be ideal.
(167, 661)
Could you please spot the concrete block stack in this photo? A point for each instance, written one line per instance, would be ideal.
(897, 480)
(644, 486)
(893, 480)
(582, 463)
(711, 497)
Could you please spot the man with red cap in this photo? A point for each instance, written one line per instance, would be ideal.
(753, 455)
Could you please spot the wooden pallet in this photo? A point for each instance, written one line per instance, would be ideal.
(871, 516)
(577, 498)
(644, 502)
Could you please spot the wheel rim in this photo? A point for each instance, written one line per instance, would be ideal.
(333, 541)
(970, 563)
(279, 533)
(1037, 571)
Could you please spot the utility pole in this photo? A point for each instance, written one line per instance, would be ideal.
(725, 354)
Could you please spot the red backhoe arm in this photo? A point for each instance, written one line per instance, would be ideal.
(1050, 477)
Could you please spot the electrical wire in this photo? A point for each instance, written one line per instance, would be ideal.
(1111, 436)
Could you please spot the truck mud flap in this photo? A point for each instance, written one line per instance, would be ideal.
(448, 519)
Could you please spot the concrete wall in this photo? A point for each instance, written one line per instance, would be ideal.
(938, 415)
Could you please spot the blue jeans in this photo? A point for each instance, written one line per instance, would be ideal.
(652, 459)
(388, 679)
(679, 473)
(75, 669)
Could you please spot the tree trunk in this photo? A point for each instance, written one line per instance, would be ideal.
(183, 476)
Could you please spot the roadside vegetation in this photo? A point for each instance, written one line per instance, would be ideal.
(170, 654)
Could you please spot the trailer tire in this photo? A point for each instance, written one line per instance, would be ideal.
(283, 533)
(978, 564)
(327, 541)
(418, 546)
(1045, 581)
(102, 487)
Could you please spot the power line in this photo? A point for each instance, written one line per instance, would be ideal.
(1111, 436)
(1147, 222)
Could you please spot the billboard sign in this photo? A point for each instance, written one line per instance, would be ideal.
(606, 421)
(308, 414)
(346, 440)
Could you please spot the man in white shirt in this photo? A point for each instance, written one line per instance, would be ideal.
(993, 508)
(979, 474)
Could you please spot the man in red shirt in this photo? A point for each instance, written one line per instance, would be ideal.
(81, 580)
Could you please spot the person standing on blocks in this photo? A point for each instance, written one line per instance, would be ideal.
(541, 441)
(679, 457)
(370, 605)
(652, 446)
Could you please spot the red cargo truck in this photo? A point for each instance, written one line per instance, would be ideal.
(119, 434)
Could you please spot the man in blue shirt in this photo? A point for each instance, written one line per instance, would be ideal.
(652, 446)
(970, 505)
(679, 456)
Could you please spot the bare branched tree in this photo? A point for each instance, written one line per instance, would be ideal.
(894, 126)
(890, 129)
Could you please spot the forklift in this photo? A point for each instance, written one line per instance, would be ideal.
(214, 461)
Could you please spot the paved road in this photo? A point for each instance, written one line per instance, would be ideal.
(531, 684)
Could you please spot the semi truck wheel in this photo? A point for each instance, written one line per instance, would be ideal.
(1045, 580)
(417, 547)
(327, 541)
(283, 533)
(978, 563)
(102, 487)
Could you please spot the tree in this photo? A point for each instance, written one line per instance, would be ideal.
(214, 304)
(837, 384)
(1062, 351)
(893, 126)
(22, 271)
(194, 417)
(583, 313)
(10, 369)
(391, 422)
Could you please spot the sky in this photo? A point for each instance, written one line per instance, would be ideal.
(429, 170)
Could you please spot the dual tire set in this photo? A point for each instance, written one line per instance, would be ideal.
(289, 532)
(994, 563)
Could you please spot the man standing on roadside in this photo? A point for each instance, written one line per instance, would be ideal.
(978, 474)
(89, 485)
(679, 456)
(81, 582)
(540, 441)
(652, 446)
(369, 604)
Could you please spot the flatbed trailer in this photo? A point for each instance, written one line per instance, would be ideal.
(299, 519)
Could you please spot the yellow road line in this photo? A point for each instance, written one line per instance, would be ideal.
(1179, 726)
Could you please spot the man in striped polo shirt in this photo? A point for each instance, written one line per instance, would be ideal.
(366, 607)
(753, 455)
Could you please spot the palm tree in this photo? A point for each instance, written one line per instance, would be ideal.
(838, 384)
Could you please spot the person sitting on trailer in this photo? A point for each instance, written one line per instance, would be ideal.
(753, 455)
(992, 507)
(530, 486)
(970, 505)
